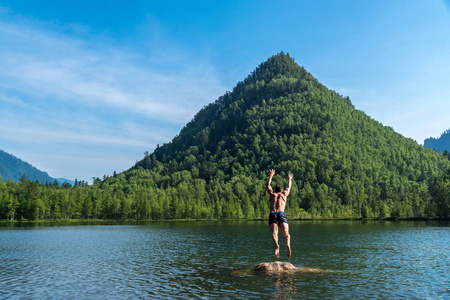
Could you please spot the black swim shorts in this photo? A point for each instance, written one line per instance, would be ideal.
(277, 217)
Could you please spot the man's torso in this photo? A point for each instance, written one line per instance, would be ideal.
(277, 202)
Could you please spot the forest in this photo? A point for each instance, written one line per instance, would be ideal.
(346, 165)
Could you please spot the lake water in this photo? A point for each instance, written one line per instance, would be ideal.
(204, 260)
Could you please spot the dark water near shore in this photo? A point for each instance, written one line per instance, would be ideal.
(198, 260)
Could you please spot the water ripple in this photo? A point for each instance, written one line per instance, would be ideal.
(195, 260)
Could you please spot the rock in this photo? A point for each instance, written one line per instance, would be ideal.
(276, 266)
(284, 267)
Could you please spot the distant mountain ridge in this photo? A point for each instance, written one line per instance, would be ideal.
(440, 144)
(13, 168)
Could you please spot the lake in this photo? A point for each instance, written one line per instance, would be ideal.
(204, 260)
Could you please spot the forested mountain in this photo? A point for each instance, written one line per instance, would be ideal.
(345, 164)
(13, 168)
(440, 144)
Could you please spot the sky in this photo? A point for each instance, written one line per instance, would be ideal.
(87, 86)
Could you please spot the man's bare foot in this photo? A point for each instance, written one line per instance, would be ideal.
(288, 251)
(277, 252)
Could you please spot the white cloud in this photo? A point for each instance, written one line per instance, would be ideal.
(415, 109)
(49, 136)
(12, 101)
(47, 65)
(66, 90)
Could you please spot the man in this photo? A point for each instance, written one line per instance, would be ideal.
(277, 217)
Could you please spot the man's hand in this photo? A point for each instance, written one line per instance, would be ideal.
(290, 176)
(272, 172)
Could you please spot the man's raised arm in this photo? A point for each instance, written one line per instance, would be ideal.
(288, 189)
(269, 182)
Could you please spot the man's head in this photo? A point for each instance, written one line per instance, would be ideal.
(278, 189)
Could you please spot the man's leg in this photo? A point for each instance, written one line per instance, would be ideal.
(274, 230)
(287, 237)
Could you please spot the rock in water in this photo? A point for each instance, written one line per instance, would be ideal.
(276, 266)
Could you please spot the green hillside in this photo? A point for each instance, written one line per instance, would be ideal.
(13, 168)
(345, 164)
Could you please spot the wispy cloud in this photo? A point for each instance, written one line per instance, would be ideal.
(415, 109)
(46, 65)
(60, 87)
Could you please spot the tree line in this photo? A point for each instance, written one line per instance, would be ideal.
(179, 196)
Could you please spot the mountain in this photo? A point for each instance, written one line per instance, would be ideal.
(345, 164)
(13, 168)
(440, 144)
(280, 116)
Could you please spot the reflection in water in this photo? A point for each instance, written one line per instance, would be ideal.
(285, 287)
(294, 284)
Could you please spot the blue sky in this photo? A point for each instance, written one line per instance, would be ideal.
(86, 87)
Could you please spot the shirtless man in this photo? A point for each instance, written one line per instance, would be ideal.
(277, 217)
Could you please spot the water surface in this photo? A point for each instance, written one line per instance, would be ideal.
(197, 260)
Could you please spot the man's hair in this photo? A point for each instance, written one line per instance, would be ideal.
(278, 189)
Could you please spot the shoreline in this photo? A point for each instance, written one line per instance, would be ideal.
(146, 221)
